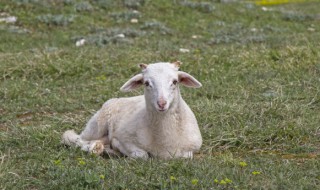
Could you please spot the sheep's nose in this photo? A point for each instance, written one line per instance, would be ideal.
(161, 103)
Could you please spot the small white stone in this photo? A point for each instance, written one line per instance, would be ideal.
(134, 20)
(10, 19)
(80, 42)
(311, 29)
(254, 29)
(195, 36)
(4, 14)
(183, 50)
(120, 36)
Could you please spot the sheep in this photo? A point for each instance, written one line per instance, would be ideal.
(157, 124)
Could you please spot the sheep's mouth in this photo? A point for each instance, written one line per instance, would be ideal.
(162, 109)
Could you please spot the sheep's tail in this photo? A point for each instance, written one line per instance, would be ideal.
(71, 138)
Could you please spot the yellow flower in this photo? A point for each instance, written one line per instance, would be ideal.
(216, 181)
(194, 181)
(101, 176)
(81, 161)
(243, 164)
(256, 173)
(172, 178)
(228, 180)
(57, 162)
(223, 182)
(275, 2)
(101, 78)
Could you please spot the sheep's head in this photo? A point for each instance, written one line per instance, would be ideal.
(161, 82)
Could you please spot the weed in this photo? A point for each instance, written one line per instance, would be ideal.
(83, 6)
(57, 20)
(125, 16)
(134, 4)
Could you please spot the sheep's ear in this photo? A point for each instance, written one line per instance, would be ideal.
(177, 64)
(143, 66)
(188, 80)
(132, 83)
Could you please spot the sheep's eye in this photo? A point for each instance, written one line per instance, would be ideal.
(175, 82)
(147, 83)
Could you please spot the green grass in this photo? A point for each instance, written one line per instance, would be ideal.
(259, 104)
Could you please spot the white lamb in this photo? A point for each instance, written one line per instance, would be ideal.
(158, 124)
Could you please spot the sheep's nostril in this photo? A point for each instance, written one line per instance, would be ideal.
(161, 103)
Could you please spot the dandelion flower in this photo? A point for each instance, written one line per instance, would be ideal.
(81, 161)
(223, 182)
(172, 178)
(227, 180)
(216, 181)
(57, 162)
(194, 181)
(243, 164)
(101, 176)
(256, 173)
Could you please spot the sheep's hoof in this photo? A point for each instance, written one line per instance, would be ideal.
(97, 148)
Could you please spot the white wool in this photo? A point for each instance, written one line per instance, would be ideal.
(159, 123)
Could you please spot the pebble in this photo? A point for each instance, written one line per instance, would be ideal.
(9, 19)
(134, 20)
(120, 36)
(183, 50)
(80, 42)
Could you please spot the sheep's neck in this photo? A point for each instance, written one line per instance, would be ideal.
(170, 119)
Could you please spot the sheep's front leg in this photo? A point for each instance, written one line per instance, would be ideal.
(95, 147)
(129, 149)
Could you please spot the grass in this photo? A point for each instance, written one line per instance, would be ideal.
(258, 109)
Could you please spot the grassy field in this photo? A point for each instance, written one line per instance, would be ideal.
(258, 109)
